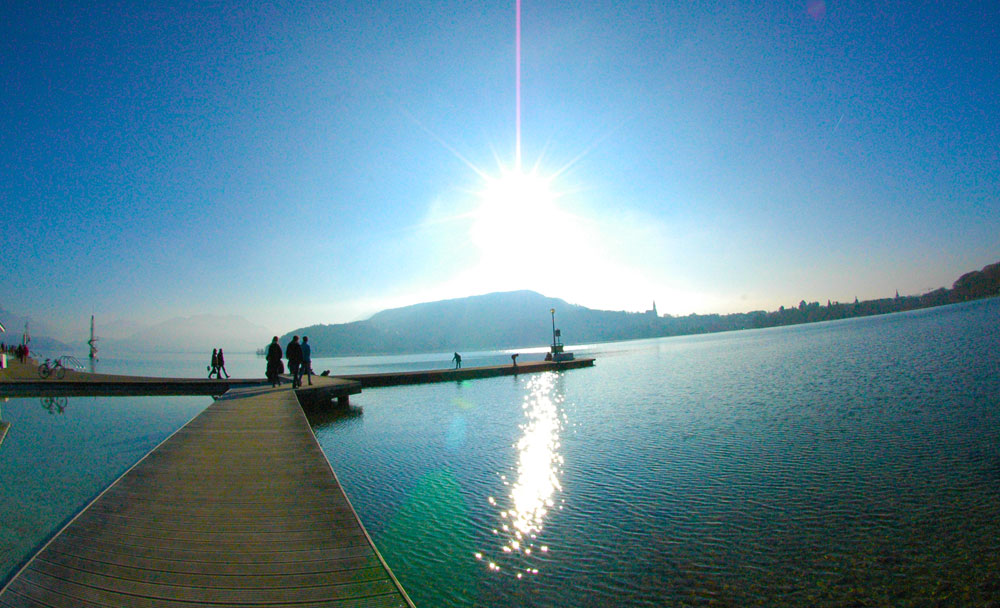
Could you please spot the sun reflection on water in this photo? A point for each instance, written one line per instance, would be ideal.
(535, 490)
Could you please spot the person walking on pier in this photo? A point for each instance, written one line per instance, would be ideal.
(274, 362)
(306, 368)
(213, 370)
(293, 352)
(222, 366)
(458, 361)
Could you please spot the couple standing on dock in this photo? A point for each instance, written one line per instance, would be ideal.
(299, 361)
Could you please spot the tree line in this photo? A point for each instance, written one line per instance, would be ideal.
(973, 285)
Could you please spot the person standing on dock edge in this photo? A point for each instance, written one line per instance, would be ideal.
(214, 368)
(306, 368)
(222, 366)
(293, 352)
(274, 362)
(458, 361)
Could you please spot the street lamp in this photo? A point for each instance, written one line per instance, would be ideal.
(553, 311)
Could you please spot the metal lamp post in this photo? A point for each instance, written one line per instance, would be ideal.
(553, 311)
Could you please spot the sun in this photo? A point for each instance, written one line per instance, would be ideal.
(516, 209)
(523, 229)
(526, 230)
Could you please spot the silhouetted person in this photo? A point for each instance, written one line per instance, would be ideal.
(293, 352)
(306, 368)
(513, 360)
(458, 361)
(213, 370)
(222, 366)
(274, 362)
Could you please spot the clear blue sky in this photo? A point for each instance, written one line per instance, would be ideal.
(305, 162)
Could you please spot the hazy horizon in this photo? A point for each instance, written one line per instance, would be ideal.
(311, 163)
(122, 332)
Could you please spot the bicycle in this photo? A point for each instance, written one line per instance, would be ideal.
(54, 405)
(50, 367)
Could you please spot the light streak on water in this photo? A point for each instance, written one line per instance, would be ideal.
(534, 491)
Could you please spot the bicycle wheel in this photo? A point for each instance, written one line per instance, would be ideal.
(44, 371)
(60, 372)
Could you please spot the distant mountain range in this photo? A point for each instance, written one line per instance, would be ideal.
(521, 319)
(39, 331)
(485, 322)
(198, 333)
(518, 319)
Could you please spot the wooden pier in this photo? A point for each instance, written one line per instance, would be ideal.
(465, 373)
(82, 384)
(323, 390)
(240, 507)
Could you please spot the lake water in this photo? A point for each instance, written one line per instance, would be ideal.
(59, 453)
(846, 463)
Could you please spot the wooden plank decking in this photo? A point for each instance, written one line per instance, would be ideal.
(239, 507)
(25, 383)
(83, 384)
(465, 373)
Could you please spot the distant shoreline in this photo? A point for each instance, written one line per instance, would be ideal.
(509, 320)
(520, 320)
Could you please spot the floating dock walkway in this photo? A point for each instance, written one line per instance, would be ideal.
(82, 384)
(239, 507)
(465, 373)
(332, 387)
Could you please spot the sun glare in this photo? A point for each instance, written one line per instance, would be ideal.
(515, 210)
(526, 232)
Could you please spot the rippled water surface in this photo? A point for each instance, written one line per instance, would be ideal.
(60, 452)
(846, 463)
(837, 464)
